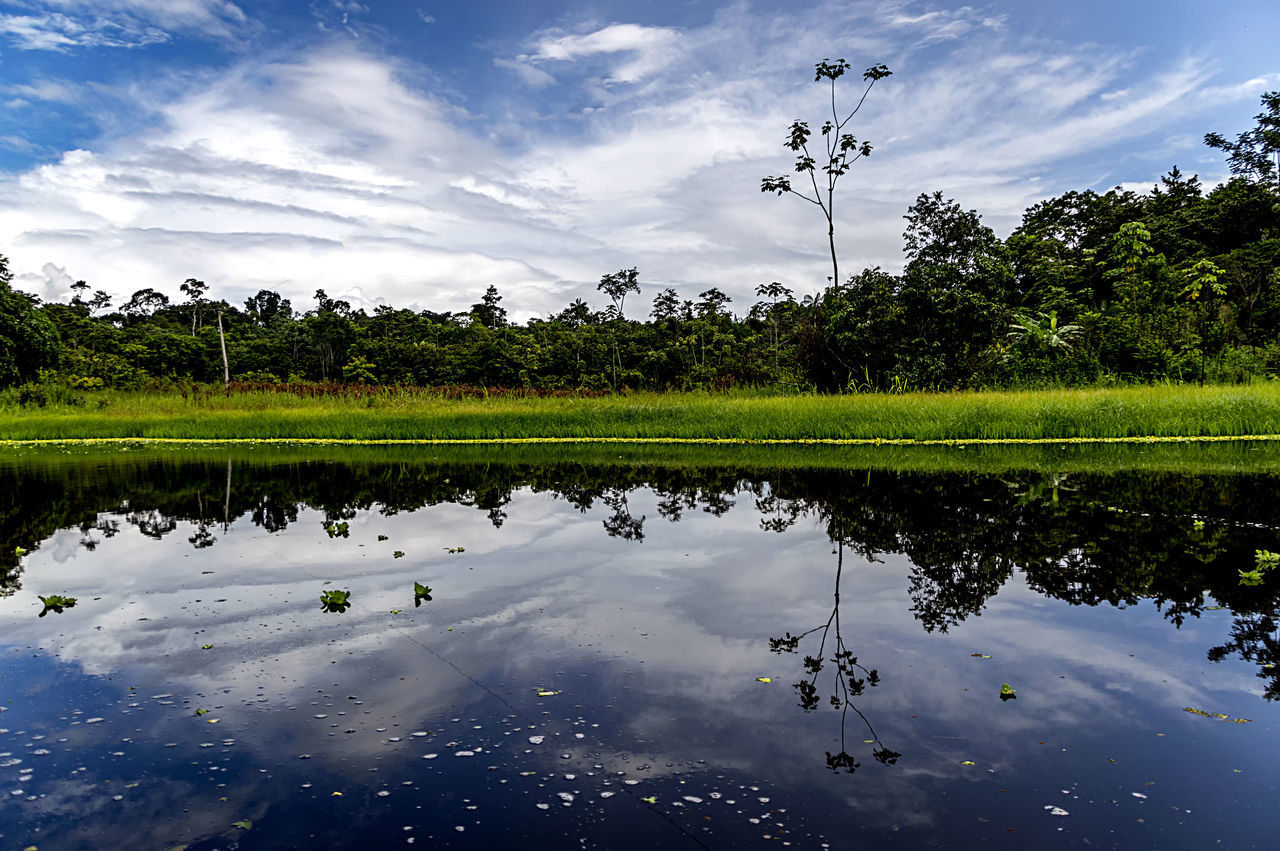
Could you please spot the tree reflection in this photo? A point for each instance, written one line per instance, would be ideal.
(851, 679)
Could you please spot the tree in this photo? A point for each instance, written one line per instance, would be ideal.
(267, 306)
(616, 286)
(488, 311)
(143, 303)
(28, 340)
(1255, 153)
(777, 295)
(1202, 286)
(195, 290)
(842, 150)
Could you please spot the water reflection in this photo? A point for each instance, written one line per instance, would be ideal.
(623, 616)
(1176, 540)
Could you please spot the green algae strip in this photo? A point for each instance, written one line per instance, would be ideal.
(1228, 456)
(693, 441)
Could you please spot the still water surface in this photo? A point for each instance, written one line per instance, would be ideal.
(632, 655)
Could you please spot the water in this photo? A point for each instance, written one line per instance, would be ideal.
(632, 654)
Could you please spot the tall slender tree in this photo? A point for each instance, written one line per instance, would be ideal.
(842, 150)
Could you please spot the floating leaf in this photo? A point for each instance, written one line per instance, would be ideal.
(243, 824)
(1007, 692)
(547, 692)
(56, 603)
(335, 601)
(200, 712)
(652, 799)
(384, 538)
(207, 647)
(398, 554)
(19, 552)
(420, 592)
(979, 655)
(764, 679)
(1219, 715)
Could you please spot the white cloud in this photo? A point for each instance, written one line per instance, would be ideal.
(647, 50)
(55, 91)
(60, 25)
(530, 74)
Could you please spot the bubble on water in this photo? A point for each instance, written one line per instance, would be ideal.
(539, 806)
(430, 756)
(41, 752)
(607, 794)
(763, 800)
(420, 733)
(1056, 811)
(693, 799)
(567, 797)
(537, 740)
(10, 762)
(459, 828)
(570, 776)
(322, 715)
(16, 793)
(95, 720)
(465, 753)
(393, 739)
(579, 735)
(384, 793)
(1135, 794)
(631, 782)
(715, 796)
(117, 797)
(566, 756)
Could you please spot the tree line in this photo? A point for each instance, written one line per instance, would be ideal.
(1179, 283)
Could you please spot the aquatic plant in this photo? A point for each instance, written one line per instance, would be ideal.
(335, 601)
(55, 603)
(420, 592)
(1264, 561)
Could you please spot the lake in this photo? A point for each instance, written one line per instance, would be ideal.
(626, 649)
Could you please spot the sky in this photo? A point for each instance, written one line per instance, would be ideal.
(413, 153)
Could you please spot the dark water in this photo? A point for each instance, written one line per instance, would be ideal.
(588, 671)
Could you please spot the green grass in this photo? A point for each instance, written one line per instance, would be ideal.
(1129, 413)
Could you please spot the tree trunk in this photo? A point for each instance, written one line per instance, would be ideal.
(226, 369)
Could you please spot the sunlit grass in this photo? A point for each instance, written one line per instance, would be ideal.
(1135, 412)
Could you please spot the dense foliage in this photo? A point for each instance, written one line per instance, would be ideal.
(1177, 284)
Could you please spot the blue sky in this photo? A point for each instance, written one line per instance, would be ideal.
(413, 153)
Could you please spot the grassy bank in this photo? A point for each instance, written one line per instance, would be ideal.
(1135, 412)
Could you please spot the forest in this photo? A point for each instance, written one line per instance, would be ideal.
(1178, 284)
